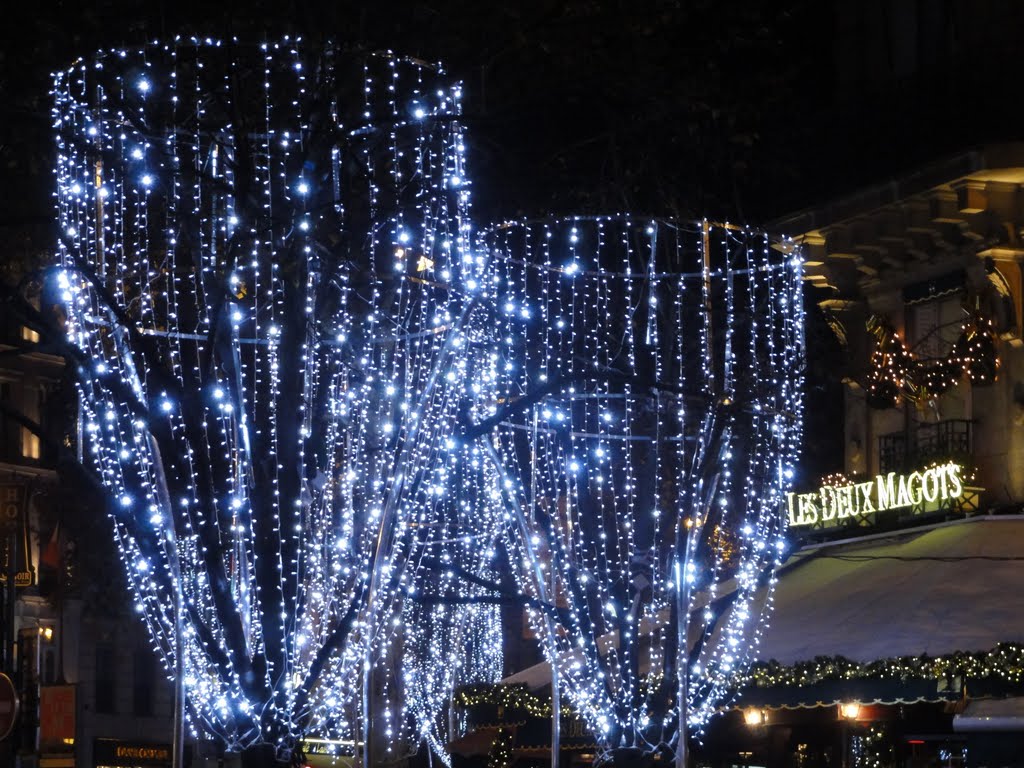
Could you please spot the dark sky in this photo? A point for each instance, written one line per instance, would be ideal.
(745, 109)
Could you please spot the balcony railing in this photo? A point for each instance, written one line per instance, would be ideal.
(922, 444)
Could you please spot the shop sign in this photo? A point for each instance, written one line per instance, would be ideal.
(14, 530)
(130, 753)
(832, 504)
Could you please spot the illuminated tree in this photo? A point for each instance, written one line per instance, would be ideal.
(652, 377)
(322, 407)
(269, 281)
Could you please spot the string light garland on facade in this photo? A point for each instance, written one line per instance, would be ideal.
(1005, 661)
(500, 754)
(896, 373)
(872, 748)
(510, 697)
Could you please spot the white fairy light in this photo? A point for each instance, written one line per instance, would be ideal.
(313, 415)
(239, 371)
(659, 387)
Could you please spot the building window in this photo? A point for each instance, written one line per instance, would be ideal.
(935, 326)
(105, 679)
(29, 444)
(144, 676)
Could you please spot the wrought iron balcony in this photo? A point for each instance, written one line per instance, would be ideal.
(910, 449)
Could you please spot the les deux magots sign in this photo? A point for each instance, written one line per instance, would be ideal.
(883, 492)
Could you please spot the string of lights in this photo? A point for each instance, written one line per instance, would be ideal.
(267, 261)
(1005, 661)
(321, 405)
(652, 375)
(896, 373)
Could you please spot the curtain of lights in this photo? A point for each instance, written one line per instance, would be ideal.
(267, 268)
(652, 378)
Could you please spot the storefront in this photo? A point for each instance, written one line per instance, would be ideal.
(903, 648)
(114, 753)
(501, 725)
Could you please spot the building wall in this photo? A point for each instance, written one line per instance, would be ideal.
(882, 253)
(125, 641)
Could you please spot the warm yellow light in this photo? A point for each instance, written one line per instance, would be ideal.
(424, 264)
(851, 710)
(29, 444)
(753, 716)
(46, 633)
(69, 741)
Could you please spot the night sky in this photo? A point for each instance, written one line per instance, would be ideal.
(742, 110)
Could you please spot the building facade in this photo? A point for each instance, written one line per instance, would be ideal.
(896, 637)
(90, 689)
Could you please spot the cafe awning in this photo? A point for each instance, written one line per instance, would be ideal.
(934, 590)
(953, 587)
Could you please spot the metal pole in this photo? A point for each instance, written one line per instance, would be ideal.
(178, 745)
(682, 652)
(705, 495)
(542, 593)
(556, 694)
(171, 548)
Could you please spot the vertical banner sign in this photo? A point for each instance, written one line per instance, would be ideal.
(56, 718)
(14, 529)
(15, 499)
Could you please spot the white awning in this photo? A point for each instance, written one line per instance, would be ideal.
(991, 715)
(953, 587)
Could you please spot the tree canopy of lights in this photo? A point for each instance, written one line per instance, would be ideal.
(266, 262)
(652, 372)
(322, 404)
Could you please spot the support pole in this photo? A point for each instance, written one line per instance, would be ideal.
(683, 652)
(542, 593)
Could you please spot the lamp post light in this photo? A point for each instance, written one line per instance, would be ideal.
(754, 717)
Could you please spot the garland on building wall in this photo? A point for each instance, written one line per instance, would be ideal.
(897, 373)
(508, 696)
(873, 748)
(1005, 661)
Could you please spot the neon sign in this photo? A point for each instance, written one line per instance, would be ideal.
(833, 503)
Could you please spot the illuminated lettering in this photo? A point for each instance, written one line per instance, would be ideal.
(864, 504)
(930, 484)
(915, 482)
(886, 494)
(828, 502)
(903, 493)
(808, 512)
(956, 487)
(883, 492)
